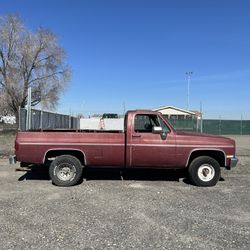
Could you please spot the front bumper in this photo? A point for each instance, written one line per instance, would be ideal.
(233, 162)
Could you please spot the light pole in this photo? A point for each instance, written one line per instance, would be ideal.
(189, 74)
(124, 108)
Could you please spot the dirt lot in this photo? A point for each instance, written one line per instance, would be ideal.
(147, 210)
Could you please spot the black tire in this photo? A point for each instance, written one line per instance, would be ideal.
(204, 171)
(65, 171)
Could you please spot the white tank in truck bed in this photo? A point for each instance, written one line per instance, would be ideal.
(102, 124)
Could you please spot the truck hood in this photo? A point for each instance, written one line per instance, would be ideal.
(198, 137)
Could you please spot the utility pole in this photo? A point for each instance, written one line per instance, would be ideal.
(189, 74)
(28, 117)
(124, 108)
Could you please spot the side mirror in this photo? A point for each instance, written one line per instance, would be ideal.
(164, 135)
(157, 130)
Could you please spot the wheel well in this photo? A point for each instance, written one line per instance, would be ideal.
(218, 155)
(55, 153)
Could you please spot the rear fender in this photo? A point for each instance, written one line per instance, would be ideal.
(65, 151)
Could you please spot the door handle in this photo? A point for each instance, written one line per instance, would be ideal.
(136, 136)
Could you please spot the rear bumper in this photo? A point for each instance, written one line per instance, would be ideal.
(12, 159)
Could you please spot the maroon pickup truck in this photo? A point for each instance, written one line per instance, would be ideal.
(148, 141)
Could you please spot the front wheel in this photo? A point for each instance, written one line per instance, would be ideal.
(204, 171)
(65, 171)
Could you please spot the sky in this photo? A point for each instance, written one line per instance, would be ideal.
(134, 54)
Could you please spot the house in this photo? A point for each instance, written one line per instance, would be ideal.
(174, 113)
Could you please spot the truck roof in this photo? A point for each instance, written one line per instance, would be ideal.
(148, 111)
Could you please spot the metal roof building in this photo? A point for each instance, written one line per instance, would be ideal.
(175, 113)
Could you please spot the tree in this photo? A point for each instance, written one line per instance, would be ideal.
(29, 59)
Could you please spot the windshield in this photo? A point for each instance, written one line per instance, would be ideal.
(169, 122)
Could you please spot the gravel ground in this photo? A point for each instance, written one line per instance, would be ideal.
(146, 210)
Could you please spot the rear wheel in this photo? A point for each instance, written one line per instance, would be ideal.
(204, 171)
(65, 171)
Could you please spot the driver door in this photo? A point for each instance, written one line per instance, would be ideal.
(149, 148)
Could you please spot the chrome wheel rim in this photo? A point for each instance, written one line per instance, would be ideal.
(206, 172)
(65, 172)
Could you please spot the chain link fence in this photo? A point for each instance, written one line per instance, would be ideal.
(46, 120)
(213, 126)
(226, 127)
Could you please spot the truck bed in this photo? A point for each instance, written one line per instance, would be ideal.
(100, 148)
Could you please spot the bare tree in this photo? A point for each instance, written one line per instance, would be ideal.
(29, 59)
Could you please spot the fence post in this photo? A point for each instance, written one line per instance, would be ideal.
(241, 124)
(19, 120)
(41, 120)
(220, 125)
(201, 124)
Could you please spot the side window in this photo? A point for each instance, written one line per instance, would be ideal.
(145, 123)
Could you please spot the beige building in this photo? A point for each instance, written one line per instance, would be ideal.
(174, 113)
